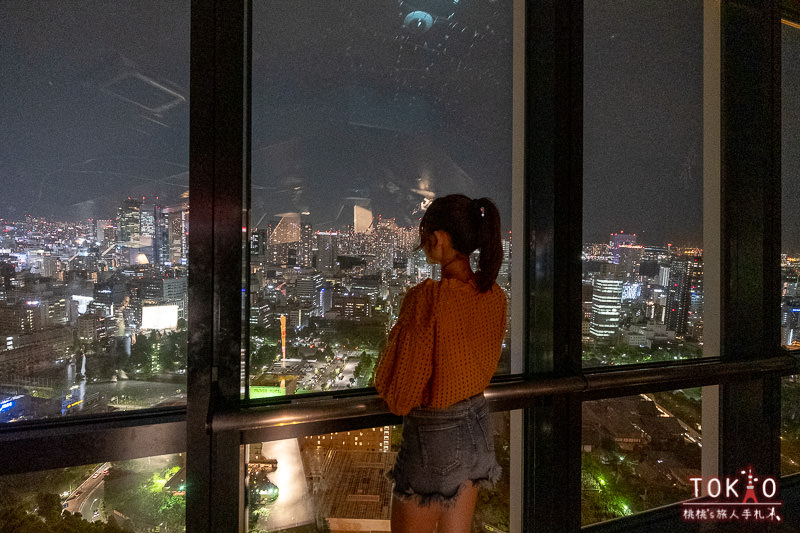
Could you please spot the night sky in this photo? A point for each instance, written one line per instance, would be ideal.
(643, 120)
(359, 101)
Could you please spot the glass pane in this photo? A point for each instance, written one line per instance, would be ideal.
(639, 452)
(790, 170)
(642, 207)
(337, 482)
(94, 209)
(363, 112)
(790, 173)
(139, 495)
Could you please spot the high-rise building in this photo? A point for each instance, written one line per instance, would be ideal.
(616, 240)
(22, 317)
(606, 307)
(696, 288)
(663, 275)
(259, 238)
(327, 250)
(147, 225)
(105, 233)
(308, 287)
(160, 236)
(284, 240)
(171, 234)
(305, 252)
(181, 240)
(629, 258)
(129, 222)
(678, 295)
(504, 274)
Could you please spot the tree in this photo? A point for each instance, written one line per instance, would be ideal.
(49, 506)
(140, 354)
(173, 511)
(364, 368)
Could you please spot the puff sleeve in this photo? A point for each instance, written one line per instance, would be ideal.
(404, 371)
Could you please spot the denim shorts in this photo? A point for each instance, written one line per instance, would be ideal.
(443, 448)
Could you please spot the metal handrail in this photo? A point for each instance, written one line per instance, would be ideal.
(512, 393)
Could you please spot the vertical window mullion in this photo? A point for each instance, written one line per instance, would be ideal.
(750, 173)
(218, 154)
(554, 213)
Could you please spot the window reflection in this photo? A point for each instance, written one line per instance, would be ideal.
(363, 112)
(337, 482)
(94, 209)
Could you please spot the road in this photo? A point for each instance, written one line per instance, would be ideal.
(85, 499)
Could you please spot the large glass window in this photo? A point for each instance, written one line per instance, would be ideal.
(638, 452)
(139, 495)
(790, 241)
(337, 481)
(642, 208)
(363, 113)
(94, 209)
(790, 174)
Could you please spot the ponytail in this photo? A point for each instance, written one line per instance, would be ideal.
(472, 225)
(489, 244)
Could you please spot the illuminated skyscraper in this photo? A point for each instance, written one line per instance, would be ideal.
(129, 222)
(305, 251)
(170, 234)
(504, 275)
(147, 224)
(606, 307)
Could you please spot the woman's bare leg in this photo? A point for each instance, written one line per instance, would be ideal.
(409, 517)
(458, 517)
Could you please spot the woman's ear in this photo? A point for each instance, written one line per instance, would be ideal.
(441, 239)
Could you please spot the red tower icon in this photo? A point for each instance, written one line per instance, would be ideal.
(750, 489)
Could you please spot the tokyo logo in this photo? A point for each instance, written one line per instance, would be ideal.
(754, 500)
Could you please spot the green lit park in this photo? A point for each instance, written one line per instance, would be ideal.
(142, 495)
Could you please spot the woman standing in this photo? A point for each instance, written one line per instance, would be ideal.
(440, 356)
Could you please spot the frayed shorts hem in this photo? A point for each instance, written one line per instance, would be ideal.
(437, 498)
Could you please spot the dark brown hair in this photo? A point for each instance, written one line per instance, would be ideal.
(472, 225)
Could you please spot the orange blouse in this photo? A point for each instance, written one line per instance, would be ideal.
(444, 347)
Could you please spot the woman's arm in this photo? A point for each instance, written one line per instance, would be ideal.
(406, 364)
